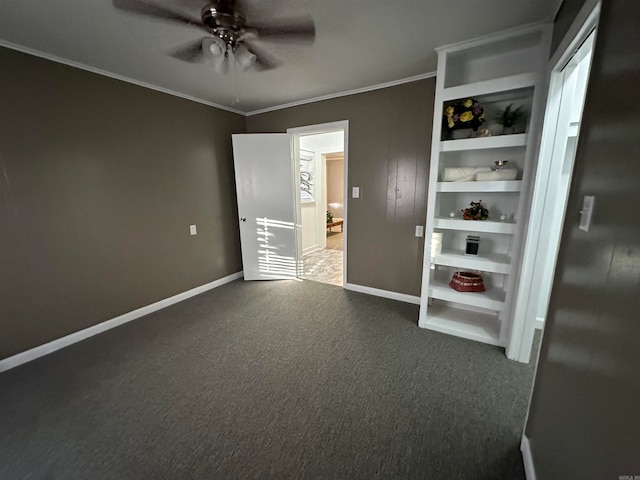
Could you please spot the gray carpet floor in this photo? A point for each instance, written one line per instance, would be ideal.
(267, 380)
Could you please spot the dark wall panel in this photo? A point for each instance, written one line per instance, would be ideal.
(584, 414)
(565, 17)
(389, 150)
(99, 182)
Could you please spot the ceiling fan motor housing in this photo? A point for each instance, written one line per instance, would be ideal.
(220, 17)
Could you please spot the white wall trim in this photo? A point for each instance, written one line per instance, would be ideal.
(42, 350)
(98, 71)
(401, 297)
(527, 459)
(539, 323)
(346, 93)
(493, 37)
(311, 249)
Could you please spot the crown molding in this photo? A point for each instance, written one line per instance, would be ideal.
(98, 71)
(496, 36)
(346, 93)
(81, 66)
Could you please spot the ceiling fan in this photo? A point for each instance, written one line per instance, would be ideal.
(230, 39)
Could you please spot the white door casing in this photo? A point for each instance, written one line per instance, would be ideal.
(267, 205)
(325, 128)
(520, 341)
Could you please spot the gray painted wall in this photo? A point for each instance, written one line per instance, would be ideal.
(584, 418)
(99, 182)
(389, 146)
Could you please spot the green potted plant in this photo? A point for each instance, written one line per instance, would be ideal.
(509, 117)
(329, 216)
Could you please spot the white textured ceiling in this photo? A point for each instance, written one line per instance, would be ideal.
(359, 43)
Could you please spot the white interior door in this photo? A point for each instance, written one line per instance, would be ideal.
(267, 205)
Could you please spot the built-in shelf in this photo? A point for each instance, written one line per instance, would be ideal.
(503, 84)
(494, 262)
(497, 71)
(485, 226)
(497, 141)
(482, 327)
(492, 299)
(492, 186)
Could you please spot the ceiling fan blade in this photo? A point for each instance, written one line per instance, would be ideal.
(300, 29)
(264, 60)
(190, 52)
(141, 7)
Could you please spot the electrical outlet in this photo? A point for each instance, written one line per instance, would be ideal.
(419, 231)
(193, 230)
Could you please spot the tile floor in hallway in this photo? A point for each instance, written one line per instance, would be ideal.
(326, 265)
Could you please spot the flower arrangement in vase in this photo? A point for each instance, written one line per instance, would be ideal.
(467, 113)
(476, 211)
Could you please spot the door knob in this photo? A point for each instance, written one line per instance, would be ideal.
(244, 219)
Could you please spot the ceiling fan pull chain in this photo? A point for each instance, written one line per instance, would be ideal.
(232, 62)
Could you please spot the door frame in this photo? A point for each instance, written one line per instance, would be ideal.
(297, 132)
(520, 341)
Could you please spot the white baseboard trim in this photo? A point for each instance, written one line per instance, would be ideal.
(311, 249)
(539, 323)
(39, 351)
(527, 458)
(402, 297)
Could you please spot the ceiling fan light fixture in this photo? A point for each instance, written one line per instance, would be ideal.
(214, 46)
(244, 57)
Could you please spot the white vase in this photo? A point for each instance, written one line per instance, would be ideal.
(460, 133)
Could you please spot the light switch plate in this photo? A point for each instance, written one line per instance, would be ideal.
(586, 212)
(419, 231)
(355, 192)
(193, 230)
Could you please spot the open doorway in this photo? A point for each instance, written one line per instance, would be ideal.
(322, 158)
(568, 85)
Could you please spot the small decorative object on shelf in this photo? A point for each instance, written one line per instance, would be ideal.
(503, 217)
(499, 172)
(464, 114)
(484, 132)
(500, 164)
(452, 214)
(467, 282)
(508, 118)
(329, 216)
(473, 243)
(475, 211)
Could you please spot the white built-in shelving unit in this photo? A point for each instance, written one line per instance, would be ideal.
(497, 70)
